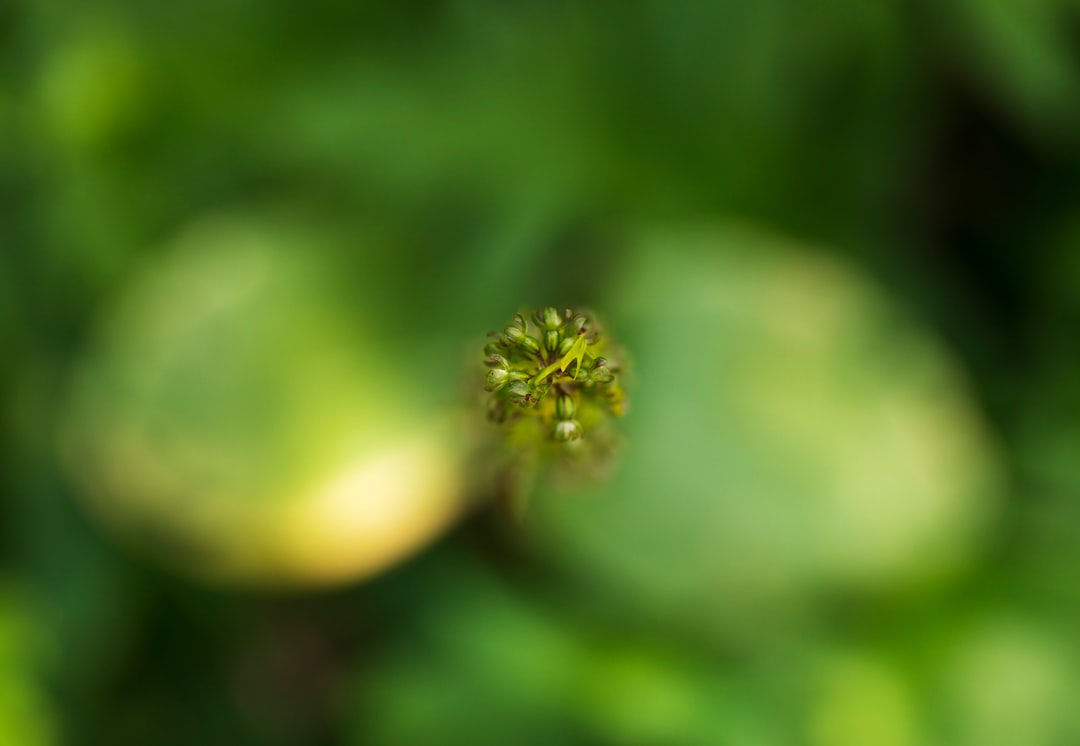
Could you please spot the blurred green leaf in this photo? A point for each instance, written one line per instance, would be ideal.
(793, 432)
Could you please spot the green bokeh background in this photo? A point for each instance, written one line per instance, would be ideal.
(840, 241)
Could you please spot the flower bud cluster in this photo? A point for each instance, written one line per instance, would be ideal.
(550, 368)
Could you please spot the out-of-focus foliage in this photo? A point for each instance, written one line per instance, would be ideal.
(794, 433)
(1023, 54)
(26, 713)
(248, 251)
(235, 386)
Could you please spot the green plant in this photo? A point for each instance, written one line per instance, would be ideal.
(555, 388)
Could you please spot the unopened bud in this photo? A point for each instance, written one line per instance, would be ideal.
(514, 334)
(497, 378)
(601, 374)
(551, 340)
(566, 430)
(551, 318)
(564, 407)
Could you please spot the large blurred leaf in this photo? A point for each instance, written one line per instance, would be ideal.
(792, 432)
(237, 414)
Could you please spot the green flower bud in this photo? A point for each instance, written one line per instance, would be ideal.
(581, 324)
(564, 407)
(565, 345)
(530, 344)
(497, 361)
(551, 340)
(515, 335)
(601, 374)
(497, 378)
(524, 395)
(567, 430)
(551, 319)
